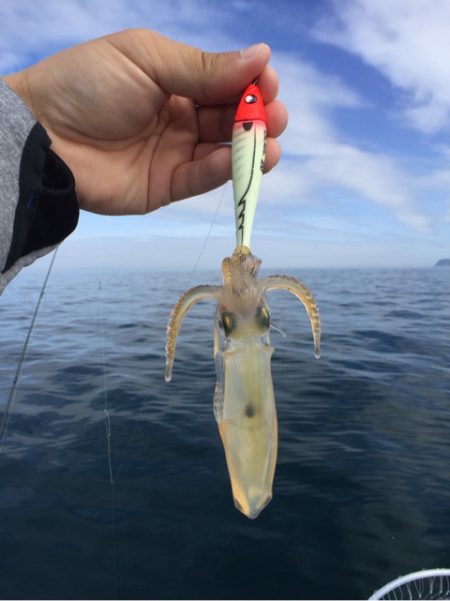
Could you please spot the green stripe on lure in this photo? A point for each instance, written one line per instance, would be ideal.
(244, 401)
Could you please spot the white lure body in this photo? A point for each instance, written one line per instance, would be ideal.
(248, 153)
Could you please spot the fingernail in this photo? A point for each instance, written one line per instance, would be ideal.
(251, 51)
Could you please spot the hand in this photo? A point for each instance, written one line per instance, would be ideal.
(141, 119)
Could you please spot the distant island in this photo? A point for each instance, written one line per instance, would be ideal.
(443, 263)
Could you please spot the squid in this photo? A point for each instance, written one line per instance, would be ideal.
(244, 400)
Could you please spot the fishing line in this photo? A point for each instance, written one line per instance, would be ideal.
(105, 390)
(136, 423)
(213, 221)
(124, 456)
(12, 392)
(112, 480)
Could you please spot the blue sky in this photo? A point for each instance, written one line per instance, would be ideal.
(365, 175)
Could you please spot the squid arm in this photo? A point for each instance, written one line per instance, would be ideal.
(284, 282)
(181, 309)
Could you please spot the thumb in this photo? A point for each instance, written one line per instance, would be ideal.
(207, 77)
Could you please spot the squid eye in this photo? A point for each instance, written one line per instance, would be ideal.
(250, 98)
(263, 317)
(228, 323)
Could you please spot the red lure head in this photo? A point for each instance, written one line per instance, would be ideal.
(251, 105)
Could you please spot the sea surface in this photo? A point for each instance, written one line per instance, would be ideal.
(362, 488)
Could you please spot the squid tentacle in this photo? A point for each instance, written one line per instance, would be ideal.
(181, 309)
(284, 282)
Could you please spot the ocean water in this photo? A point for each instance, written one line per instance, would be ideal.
(362, 488)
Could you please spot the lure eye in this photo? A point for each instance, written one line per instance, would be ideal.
(228, 322)
(250, 99)
(263, 317)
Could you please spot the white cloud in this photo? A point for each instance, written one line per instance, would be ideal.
(38, 29)
(319, 156)
(409, 42)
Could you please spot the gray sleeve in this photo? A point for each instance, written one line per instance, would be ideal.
(24, 228)
(16, 123)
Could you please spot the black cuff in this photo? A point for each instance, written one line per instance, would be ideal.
(47, 211)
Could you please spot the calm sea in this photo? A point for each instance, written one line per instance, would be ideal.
(362, 489)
